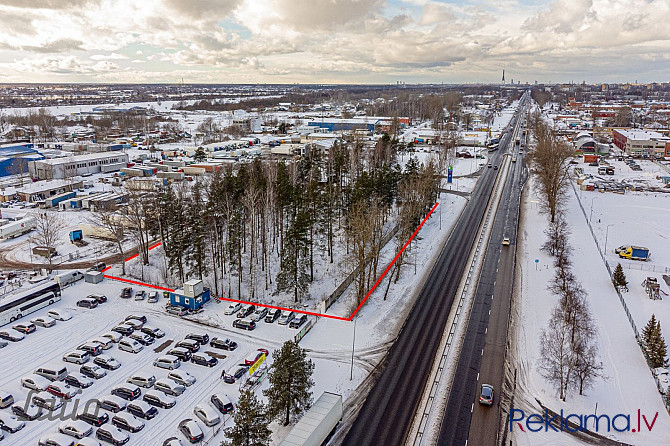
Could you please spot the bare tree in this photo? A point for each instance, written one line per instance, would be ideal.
(113, 222)
(556, 357)
(49, 224)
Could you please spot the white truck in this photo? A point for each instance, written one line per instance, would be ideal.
(65, 279)
(318, 423)
(17, 228)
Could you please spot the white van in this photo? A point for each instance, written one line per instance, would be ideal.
(65, 279)
(6, 399)
(130, 345)
(52, 372)
(142, 379)
(167, 362)
(77, 357)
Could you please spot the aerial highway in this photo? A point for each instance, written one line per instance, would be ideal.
(389, 409)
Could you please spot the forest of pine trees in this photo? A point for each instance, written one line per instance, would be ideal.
(260, 229)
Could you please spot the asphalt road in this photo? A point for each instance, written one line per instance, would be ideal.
(483, 352)
(387, 414)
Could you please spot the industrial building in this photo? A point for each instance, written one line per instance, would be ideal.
(67, 167)
(41, 190)
(14, 158)
(369, 123)
(641, 143)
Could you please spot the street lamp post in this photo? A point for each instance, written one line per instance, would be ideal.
(353, 346)
(591, 214)
(606, 234)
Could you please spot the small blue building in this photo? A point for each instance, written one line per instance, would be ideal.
(192, 296)
(14, 158)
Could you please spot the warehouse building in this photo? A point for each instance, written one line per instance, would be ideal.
(67, 167)
(14, 158)
(641, 143)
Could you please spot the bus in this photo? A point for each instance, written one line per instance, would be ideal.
(16, 306)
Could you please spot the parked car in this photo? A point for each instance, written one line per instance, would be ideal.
(92, 371)
(112, 435)
(92, 348)
(153, 297)
(176, 310)
(183, 354)
(62, 390)
(26, 411)
(75, 428)
(224, 344)
(140, 295)
(188, 344)
(244, 324)
(173, 441)
(55, 439)
(222, 403)
(35, 382)
(124, 329)
(169, 387)
(107, 362)
(286, 317)
(47, 401)
(190, 429)
(159, 399)
(10, 423)
(3, 344)
(127, 293)
(80, 380)
(230, 378)
(200, 338)
(135, 323)
(167, 362)
(93, 416)
(142, 379)
(112, 403)
(233, 308)
(259, 314)
(77, 357)
(112, 336)
(10, 336)
(207, 414)
(245, 311)
(130, 345)
(44, 321)
(142, 409)
(486, 395)
(152, 331)
(100, 298)
(273, 315)
(127, 391)
(204, 359)
(127, 422)
(59, 315)
(105, 343)
(255, 356)
(87, 303)
(298, 321)
(182, 377)
(98, 267)
(6, 399)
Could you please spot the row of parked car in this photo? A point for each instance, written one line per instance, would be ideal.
(127, 293)
(249, 314)
(21, 329)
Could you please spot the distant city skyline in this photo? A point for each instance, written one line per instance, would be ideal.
(334, 41)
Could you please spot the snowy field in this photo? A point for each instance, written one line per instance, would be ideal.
(628, 384)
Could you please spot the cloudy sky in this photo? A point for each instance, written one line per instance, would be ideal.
(334, 41)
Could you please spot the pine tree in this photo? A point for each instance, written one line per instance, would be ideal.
(619, 277)
(660, 347)
(648, 332)
(251, 423)
(293, 275)
(200, 155)
(290, 383)
(653, 343)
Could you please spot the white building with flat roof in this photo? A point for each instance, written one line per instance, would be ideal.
(70, 166)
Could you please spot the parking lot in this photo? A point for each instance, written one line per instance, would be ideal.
(48, 345)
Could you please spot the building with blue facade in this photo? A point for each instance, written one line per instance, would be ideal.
(192, 296)
(14, 158)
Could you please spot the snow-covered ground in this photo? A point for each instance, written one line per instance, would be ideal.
(628, 384)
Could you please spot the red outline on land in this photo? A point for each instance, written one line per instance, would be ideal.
(381, 277)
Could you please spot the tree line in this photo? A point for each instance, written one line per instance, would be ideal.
(231, 227)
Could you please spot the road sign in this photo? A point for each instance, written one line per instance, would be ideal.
(257, 364)
(450, 173)
(537, 260)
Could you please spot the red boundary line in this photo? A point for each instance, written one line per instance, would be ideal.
(381, 277)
